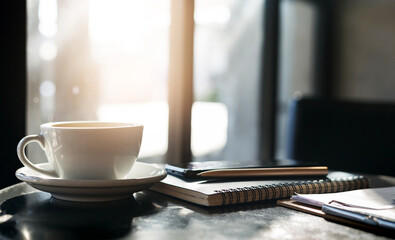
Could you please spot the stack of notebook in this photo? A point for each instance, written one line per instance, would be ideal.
(213, 191)
(336, 196)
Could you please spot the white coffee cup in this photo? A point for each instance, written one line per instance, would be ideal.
(86, 150)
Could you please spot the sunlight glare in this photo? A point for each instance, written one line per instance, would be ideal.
(124, 21)
(48, 50)
(212, 15)
(154, 117)
(209, 127)
(47, 15)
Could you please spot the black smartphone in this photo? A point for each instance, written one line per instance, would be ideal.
(198, 170)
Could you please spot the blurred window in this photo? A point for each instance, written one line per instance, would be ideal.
(108, 60)
(227, 53)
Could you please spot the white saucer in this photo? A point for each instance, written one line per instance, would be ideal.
(142, 176)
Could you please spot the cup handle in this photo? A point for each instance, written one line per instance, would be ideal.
(25, 161)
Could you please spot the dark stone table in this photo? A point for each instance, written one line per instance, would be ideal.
(26, 213)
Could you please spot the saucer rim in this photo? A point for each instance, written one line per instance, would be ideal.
(40, 179)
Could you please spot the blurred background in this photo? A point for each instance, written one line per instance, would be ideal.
(109, 60)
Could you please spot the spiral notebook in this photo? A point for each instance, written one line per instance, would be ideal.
(217, 193)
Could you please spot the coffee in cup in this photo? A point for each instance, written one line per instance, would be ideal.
(86, 149)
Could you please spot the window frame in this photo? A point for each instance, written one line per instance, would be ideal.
(181, 82)
(14, 86)
(180, 93)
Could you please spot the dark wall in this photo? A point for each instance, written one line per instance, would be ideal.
(364, 50)
(13, 86)
(339, 50)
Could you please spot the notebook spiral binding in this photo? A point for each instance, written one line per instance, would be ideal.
(286, 190)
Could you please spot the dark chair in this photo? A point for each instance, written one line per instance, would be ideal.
(349, 136)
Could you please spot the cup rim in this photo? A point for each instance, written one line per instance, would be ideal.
(70, 125)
